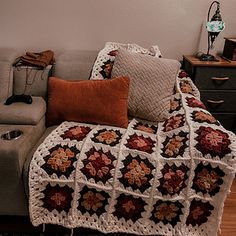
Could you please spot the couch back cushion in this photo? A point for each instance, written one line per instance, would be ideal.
(99, 102)
(68, 65)
(7, 57)
(152, 82)
(31, 80)
(74, 65)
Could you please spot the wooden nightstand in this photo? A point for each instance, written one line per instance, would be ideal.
(217, 84)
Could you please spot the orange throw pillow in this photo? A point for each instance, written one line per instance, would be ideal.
(89, 101)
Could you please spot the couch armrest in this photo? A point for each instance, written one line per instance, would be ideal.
(12, 157)
(23, 114)
(7, 57)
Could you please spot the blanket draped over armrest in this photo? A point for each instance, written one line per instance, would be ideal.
(169, 178)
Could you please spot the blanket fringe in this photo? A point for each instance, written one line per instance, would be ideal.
(44, 228)
(72, 232)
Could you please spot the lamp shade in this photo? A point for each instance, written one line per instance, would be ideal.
(215, 26)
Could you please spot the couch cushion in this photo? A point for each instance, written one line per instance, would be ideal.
(31, 80)
(22, 113)
(100, 102)
(151, 83)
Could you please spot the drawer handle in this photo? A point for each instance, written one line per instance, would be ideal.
(215, 101)
(220, 79)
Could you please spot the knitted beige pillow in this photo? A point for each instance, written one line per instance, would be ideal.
(151, 83)
(103, 64)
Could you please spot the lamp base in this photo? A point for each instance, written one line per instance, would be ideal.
(207, 57)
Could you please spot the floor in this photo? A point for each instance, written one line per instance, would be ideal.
(228, 226)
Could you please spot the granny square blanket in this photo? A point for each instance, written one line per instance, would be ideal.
(168, 178)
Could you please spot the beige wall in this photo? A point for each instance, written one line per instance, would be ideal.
(175, 25)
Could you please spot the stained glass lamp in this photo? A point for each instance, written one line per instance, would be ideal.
(214, 27)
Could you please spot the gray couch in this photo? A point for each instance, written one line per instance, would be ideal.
(15, 154)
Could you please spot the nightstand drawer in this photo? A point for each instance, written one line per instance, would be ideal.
(219, 101)
(215, 78)
(216, 81)
(228, 120)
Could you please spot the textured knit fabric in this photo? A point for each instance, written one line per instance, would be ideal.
(168, 178)
(103, 64)
(151, 83)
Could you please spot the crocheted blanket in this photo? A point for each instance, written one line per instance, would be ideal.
(169, 178)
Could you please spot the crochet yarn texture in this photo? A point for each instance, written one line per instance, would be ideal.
(168, 178)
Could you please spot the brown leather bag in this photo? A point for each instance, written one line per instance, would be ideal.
(40, 60)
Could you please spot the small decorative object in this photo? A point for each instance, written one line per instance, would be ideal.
(229, 51)
(214, 27)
